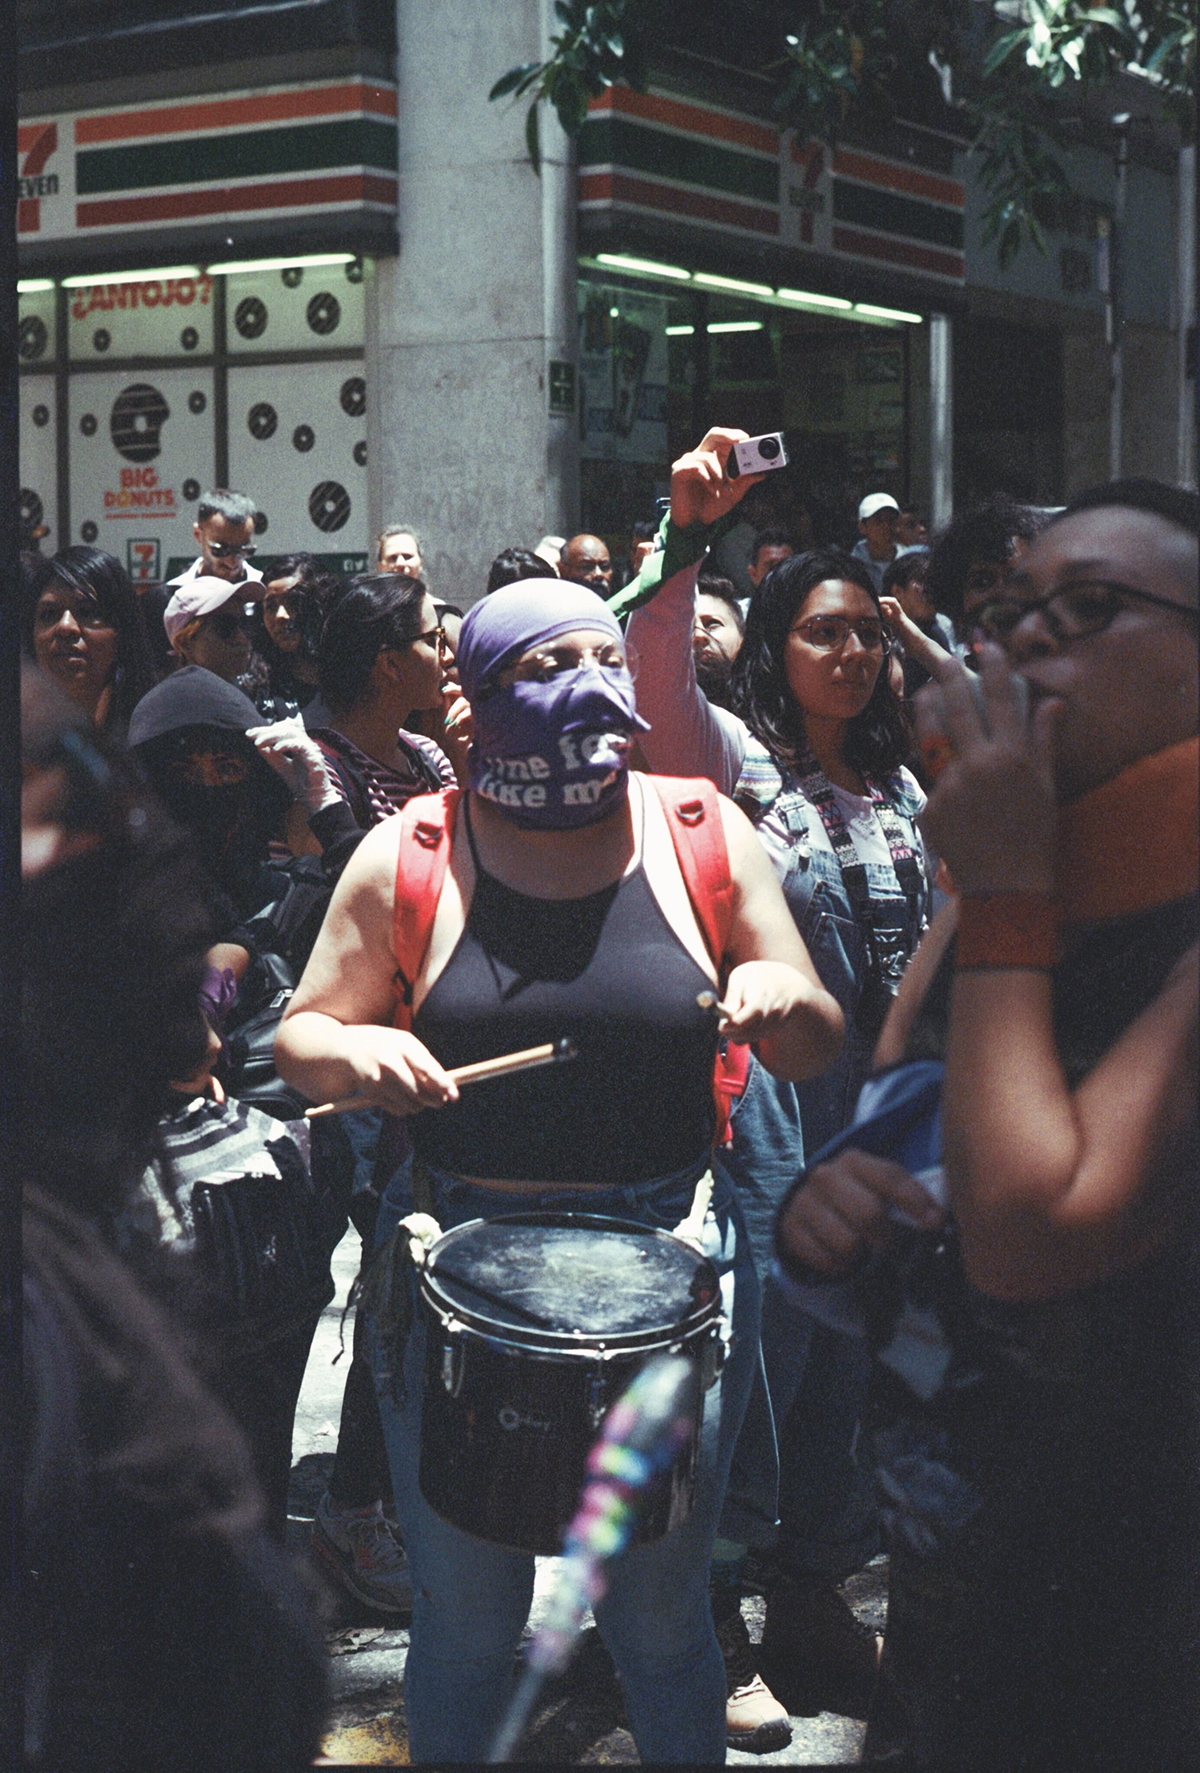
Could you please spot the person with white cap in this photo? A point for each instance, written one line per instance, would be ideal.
(878, 515)
(207, 625)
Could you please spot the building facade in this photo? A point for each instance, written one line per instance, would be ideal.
(293, 249)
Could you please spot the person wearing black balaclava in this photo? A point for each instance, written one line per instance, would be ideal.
(191, 734)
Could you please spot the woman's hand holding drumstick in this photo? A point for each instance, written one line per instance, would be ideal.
(552, 1053)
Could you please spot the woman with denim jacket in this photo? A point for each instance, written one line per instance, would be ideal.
(814, 755)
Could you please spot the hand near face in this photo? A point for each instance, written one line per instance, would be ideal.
(993, 812)
(700, 490)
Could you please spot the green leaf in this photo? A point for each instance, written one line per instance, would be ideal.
(1001, 50)
(508, 82)
(533, 138)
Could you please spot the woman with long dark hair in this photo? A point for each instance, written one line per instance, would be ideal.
(813, 751)
(84, 627)
(297, 596)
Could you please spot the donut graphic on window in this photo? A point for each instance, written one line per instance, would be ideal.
(329, 505)
(138, 416)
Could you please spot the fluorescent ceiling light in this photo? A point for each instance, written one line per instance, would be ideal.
(760, 289)
(888, 313)
(735, 326)
(814, 301)
(620, 262)
(34, 285)
(296, 261)
(680, 332)
(160, 276)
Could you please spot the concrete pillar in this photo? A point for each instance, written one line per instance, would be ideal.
(464, 325)
(941, 422)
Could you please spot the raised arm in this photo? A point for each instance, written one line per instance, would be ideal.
(688, 736)
(773, 994)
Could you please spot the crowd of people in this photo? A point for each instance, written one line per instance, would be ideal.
(861, 880)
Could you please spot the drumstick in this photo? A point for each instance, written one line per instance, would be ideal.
(553, 1053)
(708, 1000)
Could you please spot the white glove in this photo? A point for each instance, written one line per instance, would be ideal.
(297, 757)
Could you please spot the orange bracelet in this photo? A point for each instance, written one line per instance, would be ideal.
(1009, 930)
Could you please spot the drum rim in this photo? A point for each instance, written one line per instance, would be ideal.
(554, 1343)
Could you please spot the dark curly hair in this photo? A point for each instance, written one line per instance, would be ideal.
(987, 532)
(315, 594)
(879, 739)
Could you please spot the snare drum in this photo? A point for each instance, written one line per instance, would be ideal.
(536, 1324)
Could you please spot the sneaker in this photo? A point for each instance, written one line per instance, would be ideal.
(754, 1719)
(357, 1547)
(814, 1651)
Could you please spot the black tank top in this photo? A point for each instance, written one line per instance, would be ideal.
(609, 973)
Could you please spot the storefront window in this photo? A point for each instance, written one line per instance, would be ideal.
(838, 388)
(139, 392)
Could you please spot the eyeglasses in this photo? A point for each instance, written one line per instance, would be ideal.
(436, 635)
(828, 634)
(232, 550)
(226, 623)
(1076, 611)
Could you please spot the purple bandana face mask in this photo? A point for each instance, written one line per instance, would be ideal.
(554, 756)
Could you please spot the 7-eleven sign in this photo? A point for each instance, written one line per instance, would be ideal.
(38, 177)
(805, 210)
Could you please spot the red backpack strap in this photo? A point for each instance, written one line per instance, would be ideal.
(693, 809)
(426, 834)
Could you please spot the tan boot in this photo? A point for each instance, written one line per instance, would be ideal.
(754, 1719)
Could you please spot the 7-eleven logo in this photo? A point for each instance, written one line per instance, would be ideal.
(35, 144)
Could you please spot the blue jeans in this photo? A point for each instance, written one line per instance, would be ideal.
(472, 1599)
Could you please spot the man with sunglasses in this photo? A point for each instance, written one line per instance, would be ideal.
(224, 532)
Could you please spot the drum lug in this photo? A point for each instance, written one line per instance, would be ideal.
(596, 1407)
(453, 1363)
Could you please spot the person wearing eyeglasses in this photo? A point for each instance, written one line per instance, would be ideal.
(812, 747)
(1044, 1603)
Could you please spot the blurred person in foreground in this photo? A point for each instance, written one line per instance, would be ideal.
(1039, 1455)
(83, 624)
(158, 1627)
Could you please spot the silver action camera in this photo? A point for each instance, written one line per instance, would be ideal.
(758, 455)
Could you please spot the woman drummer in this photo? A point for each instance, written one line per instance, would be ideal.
(564, 913)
